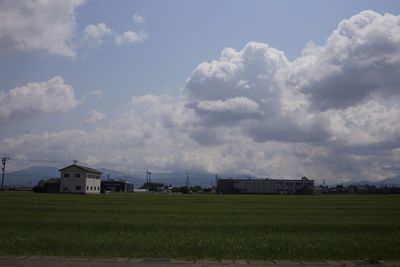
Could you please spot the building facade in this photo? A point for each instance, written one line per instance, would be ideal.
(301, 186)
(80, 180)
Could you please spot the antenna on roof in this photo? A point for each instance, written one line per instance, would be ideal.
(75, 161)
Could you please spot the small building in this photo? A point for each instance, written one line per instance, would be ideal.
(301, 186)
(112, 185)
(79, 179)
(51, 185)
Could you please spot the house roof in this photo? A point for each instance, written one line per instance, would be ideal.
(86, 169)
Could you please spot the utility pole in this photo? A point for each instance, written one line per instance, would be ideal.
(148, 180)
(216, 183)
(187, 182)
(3, 168)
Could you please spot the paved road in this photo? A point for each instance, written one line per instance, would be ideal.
(38, 261)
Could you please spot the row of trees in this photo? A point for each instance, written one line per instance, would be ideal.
(161, 187)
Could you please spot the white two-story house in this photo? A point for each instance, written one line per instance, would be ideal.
(80, 179)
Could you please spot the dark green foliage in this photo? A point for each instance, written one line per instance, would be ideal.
(201, 226)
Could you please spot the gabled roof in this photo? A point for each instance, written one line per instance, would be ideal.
(86, 169)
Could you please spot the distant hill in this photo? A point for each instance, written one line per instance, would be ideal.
(113, 174)
(387, 181)
(390, 181)
(179, 179)
(30, 176)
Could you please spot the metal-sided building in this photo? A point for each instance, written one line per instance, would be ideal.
(301, 186)
(112, 185)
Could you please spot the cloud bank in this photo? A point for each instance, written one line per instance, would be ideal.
(34, 98)
(331, 113)
(50, 27)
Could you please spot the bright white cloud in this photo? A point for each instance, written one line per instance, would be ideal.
(247, 73)
(97, 33)
(39, 26)
(32, 98)
(94, 116)
(234, 105)
(332, 112)
(360, 59)
(130, 37)
(138, 19)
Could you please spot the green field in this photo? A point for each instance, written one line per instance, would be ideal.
(201, 226)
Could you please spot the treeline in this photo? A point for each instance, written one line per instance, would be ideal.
(161, 187)
(360, 189)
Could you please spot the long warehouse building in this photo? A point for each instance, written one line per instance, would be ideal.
(302, 186)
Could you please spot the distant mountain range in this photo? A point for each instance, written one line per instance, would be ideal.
(30, 177)
(388, 181)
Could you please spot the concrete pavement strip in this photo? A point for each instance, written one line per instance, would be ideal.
(54, 261)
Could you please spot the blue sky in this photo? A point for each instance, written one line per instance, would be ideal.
(168, 75)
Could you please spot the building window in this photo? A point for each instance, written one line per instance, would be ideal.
(87, 187)
(91, 188)
(78, 188)
(66, 174)
(77, 175)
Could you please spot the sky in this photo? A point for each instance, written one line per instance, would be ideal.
(279, 89)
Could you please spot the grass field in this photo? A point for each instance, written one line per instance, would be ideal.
(201, 226)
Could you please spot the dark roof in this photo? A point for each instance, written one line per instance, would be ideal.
(86, 169)
(52, 181)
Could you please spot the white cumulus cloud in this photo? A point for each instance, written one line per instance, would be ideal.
(94, 116)
(32, 98)
(97, 33)
(361, 59)
(138, 19)
(40, 25)
(234, 105)
(130, 37)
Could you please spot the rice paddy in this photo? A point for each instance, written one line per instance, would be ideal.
(201, 226)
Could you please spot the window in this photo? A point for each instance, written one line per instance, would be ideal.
(77, 175)
(78, 188)
(91, 188)
(87, 187)
(66, 174)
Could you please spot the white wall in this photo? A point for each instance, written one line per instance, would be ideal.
(72, 183)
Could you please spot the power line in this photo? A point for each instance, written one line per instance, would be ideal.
(39, 160)
(28, 175)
